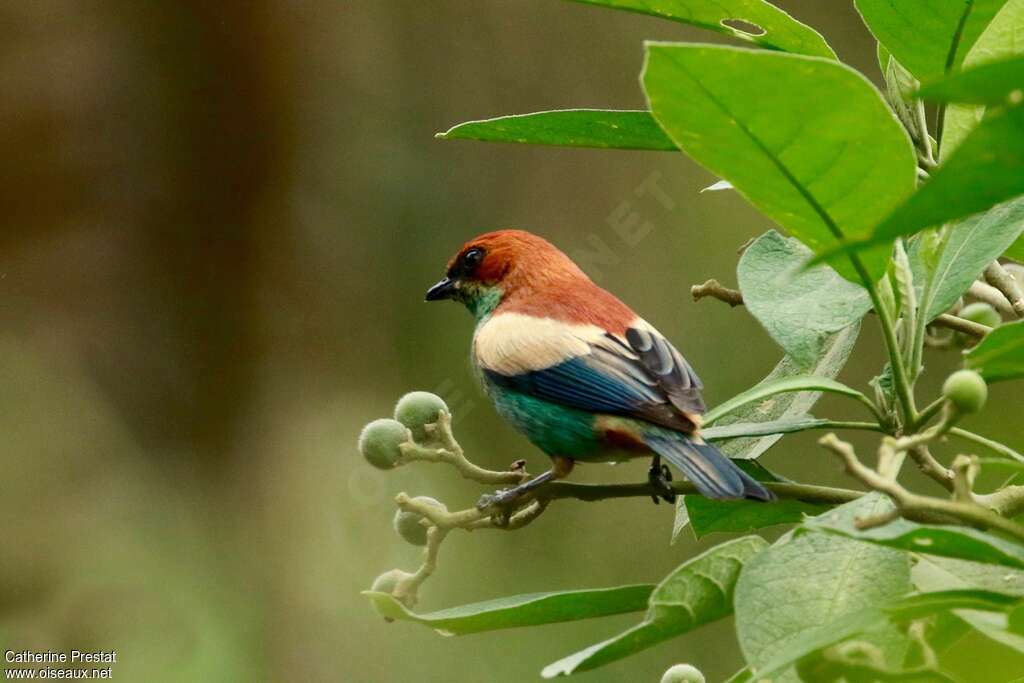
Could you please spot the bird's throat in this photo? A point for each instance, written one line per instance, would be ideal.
(481, 300)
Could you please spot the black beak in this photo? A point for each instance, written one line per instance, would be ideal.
(442, 290)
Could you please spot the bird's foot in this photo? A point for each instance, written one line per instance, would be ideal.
(497, 499)
(660, 477)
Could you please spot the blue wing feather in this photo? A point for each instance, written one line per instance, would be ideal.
(642, 377)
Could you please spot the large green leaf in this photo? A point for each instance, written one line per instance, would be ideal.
(1000, 355)
(971, 245)
(707, 516)
(808, 588)
(799, 307)
(813, 146)
(779, 386)
(530, 609)
(775, 427)
(937, 573)
(698, 592)
(988, 168)
(928, 37)
(752, 20)
(988, 84)
(569, 127)
(934, 573)
(788, 406)
(947, 541)
(777, 407)
(1001, 39)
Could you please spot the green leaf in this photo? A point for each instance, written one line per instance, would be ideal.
(530, 609)
(937, 573)
(809, 588)
(971, 245)
(777, 407)
(708, 516)
(696, 593)
(742, 676)
(947, 541)
(988, 168)
(928, 37)
(569, 127)
(924, 605)
(778, 30)
(814, 146)
(1001, 463)
(746, 429)
(1000, 354)
(1001, 38)
(1015, 619)
(989, 84)
(779, 386)
(788, 406)
(932, 573)
(799, 308)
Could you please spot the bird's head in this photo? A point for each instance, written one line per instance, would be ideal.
(493, 266)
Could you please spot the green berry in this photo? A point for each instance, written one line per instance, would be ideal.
(979, 312)
(386, 582)
(982, 313)
(409, 525)
(966, 390)
(419, 408)
(380, 442)
(682, 673)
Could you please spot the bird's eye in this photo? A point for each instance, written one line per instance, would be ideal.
(472, 258)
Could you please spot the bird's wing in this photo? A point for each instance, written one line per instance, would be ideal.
(639, 374)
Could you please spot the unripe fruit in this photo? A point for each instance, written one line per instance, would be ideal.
(380, 442)
(419, 408)
(386, 582)
(682, 673)
(981, 312)
(966, 390)
(408, 524)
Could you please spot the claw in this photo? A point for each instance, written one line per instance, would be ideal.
(660, 477)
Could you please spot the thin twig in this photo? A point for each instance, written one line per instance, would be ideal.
(959, 324)
(969, 514)
(997, 276)
(990, 295)
(715, 290)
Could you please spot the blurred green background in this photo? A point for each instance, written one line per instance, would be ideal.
(220, 220)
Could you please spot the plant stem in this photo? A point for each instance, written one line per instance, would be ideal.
(993, 446)
(903, 384)
(971, 514)
(821, 495)
(997, 276)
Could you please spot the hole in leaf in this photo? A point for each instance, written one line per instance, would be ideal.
(744, 27)
(924, 541)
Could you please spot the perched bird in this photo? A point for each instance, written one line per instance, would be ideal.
(578, 372)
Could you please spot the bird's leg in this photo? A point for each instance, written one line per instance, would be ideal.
(660, 477)
(561, 468)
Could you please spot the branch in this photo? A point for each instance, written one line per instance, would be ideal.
(997, 276)
(958, 324)
(450, 452)
(990, 295)
(715, 290)
(910, 504)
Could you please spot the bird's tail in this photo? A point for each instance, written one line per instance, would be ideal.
(714, 475)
